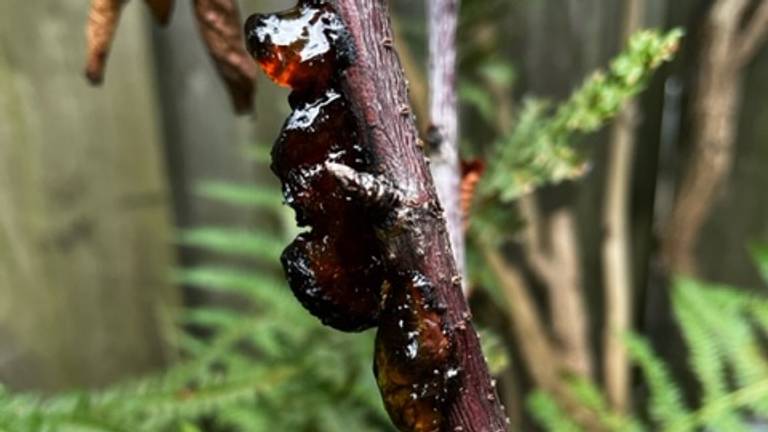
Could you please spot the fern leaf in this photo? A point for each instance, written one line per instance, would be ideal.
(589, 396)
(264, 290)
(241, 195)
(540, 150)
(760, 254)
(719, 408)
(548, 414)
(666, 402)
(707, 358)
(212, 317)
(235, 242)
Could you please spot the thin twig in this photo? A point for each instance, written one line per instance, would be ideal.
(753, 37)
(536, 346)
(533, 244)
(566, 297)
(442, 18)
(558, 268)
(617, 271)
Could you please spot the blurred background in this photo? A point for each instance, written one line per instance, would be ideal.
(140, 224)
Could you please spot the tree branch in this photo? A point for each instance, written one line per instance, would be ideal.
(568, 312)
(715, 110)
(558, 268)
(375, 87)
(617, 272)
(417, 85)
(754, 35)
(535, 347)
(533, 244)
(442, 18)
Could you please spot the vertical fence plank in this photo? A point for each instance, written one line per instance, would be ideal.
(85, 247)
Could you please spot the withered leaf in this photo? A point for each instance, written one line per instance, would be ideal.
(102, 23)
(220, 27)
(471, 174)
(161, 9)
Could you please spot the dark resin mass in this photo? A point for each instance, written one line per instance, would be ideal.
(334, 269)
(415, 364)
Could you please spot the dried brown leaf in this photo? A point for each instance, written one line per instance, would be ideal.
(102, 23)
(161, 9)
(220, 28)
(471, 173)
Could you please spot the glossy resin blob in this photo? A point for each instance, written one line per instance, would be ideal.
(333, 269)
(415, 365)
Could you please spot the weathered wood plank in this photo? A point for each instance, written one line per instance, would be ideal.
(84, 219)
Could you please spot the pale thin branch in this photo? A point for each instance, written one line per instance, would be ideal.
(533, 244)
(544, 360)
(535, 343)
(442, 17)
(617, 271)
(569, 313)
(753, 36)
(558, 268)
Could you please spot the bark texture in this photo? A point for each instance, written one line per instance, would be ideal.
(375, 85)
(730, 41)
(442, 18)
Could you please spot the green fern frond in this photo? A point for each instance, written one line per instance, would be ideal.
(666, 402)
(588, 395)
(235, 242)
(262, 289)
(716, 409)
(540, 149)
(706, 357)
(548, 414)
(210, 317)
(760, 254)
(719, 325)
(241, 195)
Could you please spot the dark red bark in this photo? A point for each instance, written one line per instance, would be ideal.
(376, 89)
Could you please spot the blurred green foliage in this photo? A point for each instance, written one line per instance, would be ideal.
(724, 329)
(540, 149)
(538, 144)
